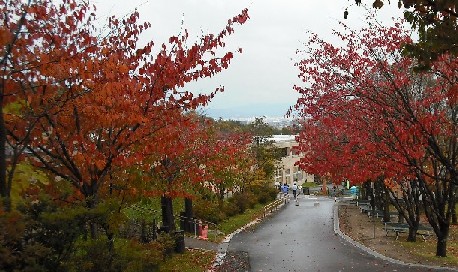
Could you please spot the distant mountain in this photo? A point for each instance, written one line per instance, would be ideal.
(247, 111)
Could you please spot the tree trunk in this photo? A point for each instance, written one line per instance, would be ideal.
(442, 237)
(365, 191)
(110, 237)
(441, 247)
(144, 237)
(454, 218)
(371, 196)
(385, 202)
(400, 218)
(386, 211)
(188, 215)
(220, 196)
(90, 195)
(412, 234)
(4, 190)
(168, 221)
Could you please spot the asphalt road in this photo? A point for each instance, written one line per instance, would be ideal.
(302, 238)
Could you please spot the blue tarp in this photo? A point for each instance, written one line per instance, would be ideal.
(354, 190)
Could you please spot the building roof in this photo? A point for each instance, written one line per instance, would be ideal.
(282, 138)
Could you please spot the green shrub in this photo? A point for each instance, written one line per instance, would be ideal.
(230, 209)
(309, 184)
(244, 200)
(44, 236)
(267, 194)
(17, 253)
(252, 199)
(39, 236)
(122, 255)
(208, 210)
(92, 255)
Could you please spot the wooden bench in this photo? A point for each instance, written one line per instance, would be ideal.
(423, 230)
(394, 214)
(379, 213)
(359, 202)
(365, 208)
(376, 213)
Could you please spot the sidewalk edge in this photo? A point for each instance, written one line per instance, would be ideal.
(223, 246)
(372, 252)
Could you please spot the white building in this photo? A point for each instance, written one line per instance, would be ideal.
(286, 171)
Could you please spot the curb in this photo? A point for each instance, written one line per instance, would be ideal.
(224, 245)
(374, 253)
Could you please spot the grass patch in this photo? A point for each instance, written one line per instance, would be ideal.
(193, 260)
(151, 209)
(235, 222)
(309, 184)
(427, 249)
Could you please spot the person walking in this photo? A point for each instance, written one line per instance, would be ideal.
(284, 189)
(294, 190)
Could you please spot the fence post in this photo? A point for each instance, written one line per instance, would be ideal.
(154, 229)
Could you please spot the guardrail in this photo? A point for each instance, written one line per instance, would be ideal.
(273, 206)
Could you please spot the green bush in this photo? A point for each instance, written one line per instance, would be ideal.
(17, 253)
(309, 184)
(230, 209)
(244, 200)
(208, 210)
(33, 245)
(43, 235)
(267, 194)
(122, 255)
(238, 203)
(252, 199)
(39, 236)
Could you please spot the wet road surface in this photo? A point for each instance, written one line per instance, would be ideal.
(302, 238)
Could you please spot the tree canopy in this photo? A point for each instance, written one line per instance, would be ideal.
(86, 103)
(436, 22)
(366, 114)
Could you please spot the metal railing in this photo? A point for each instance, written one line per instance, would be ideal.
(275, 205)
(198, 225)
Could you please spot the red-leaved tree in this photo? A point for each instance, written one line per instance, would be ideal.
(41, 46)
(367, 115)
(99, 98)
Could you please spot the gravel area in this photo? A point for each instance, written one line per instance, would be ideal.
(235, 261)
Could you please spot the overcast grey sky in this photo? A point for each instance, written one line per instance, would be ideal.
(260, 80)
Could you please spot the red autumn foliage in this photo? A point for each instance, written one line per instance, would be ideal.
(88, 101)
(356, 122)
(367, 114)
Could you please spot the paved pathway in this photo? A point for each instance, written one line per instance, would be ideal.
(302, 238)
